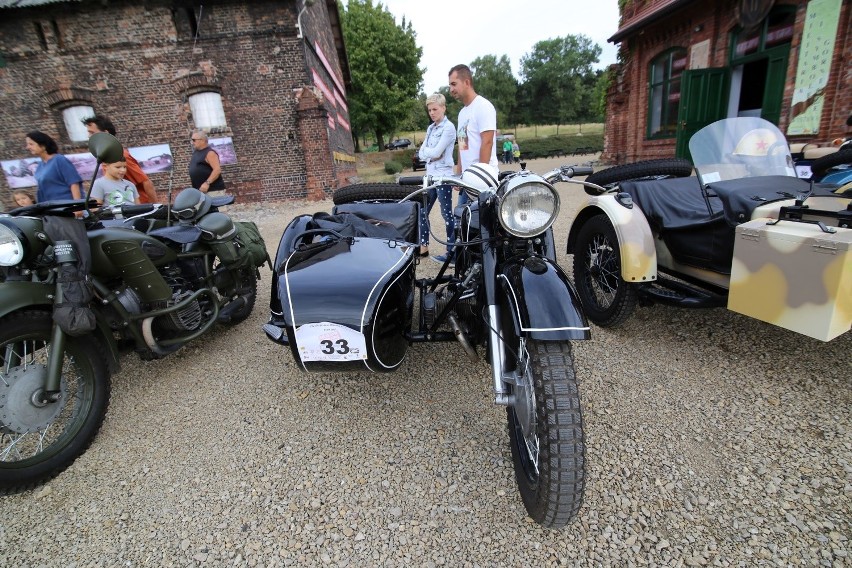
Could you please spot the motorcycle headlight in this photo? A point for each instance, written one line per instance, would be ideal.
(528, 205)
(11, 247)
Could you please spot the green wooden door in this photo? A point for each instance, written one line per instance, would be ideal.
(704, 99)
(776, 74)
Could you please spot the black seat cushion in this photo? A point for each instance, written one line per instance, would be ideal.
(691, 223)
(740, 197)
(676, 203)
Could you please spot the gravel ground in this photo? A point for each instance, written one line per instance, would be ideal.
(713, 440)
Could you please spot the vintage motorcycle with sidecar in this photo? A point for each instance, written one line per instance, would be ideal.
(744, 233)
(76, 292)
(346, 298)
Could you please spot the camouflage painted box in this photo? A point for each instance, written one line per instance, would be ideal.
(795, 276)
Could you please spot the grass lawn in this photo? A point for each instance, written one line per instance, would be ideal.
(371, 164)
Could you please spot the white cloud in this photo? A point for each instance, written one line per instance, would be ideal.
(459, 31)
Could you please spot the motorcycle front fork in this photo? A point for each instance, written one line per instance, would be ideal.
(55, 356)
(66, 254)
(498, 357)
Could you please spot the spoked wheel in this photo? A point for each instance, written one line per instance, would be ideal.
(40, 439)
(607, 299)
(546, 432)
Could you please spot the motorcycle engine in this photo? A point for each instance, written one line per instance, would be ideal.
(435, 302)
(187, 318)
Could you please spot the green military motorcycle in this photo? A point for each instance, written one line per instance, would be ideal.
(75, 293)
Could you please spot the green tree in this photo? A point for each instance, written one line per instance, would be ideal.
(418, 118)
(493, 79)
(384, 61)
(602, 83)
(559, 80)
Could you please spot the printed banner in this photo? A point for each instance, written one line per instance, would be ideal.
(329, 95)
(815, 54)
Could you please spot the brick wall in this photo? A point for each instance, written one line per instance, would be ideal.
(625, 134)
(137, 63)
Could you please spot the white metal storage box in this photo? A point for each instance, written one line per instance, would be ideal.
(794, 275)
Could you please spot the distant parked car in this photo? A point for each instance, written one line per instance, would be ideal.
(417, 163)
(398, 144)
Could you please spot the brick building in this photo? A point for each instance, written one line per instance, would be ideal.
(265, 79)
(684, 64)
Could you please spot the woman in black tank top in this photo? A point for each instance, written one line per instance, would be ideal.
(205, 172)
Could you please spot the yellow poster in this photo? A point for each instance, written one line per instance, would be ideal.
(815, 55)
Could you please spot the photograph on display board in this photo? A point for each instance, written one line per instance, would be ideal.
(153, 159)
(21, 172)
(84, 163)
(225, 148)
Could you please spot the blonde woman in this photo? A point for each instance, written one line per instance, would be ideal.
(437, 152)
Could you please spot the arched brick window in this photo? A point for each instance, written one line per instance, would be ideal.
(73, 117)
(664, 77)
(74, 104)
(207, 110)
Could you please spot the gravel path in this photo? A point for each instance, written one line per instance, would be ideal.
(713, 440)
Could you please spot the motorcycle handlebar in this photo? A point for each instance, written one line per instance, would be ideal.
(132, 210)
(581, 170)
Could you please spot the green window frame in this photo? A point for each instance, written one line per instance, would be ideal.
(776, 29)
(664, 83)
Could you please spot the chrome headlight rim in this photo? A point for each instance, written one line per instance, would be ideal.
(13, 244)
(514, 189)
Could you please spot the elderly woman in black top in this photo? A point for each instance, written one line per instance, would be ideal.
(205, 171)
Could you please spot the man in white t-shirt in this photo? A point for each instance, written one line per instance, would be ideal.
(477, 125)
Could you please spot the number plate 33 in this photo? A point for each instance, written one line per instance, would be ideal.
(327, 341)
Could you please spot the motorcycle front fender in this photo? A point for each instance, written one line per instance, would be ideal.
(17, 295)
(542, 301)
(635, 239)
(21, 294)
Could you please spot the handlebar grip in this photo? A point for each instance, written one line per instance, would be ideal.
(129, 210)
(411, 180)
(582, 170)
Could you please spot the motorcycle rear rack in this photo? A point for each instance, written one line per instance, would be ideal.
(796, 213)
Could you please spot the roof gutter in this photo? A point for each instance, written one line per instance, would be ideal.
(665, 8)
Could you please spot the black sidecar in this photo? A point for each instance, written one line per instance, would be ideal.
(344, 293)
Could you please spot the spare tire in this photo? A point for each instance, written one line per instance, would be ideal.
(820, 166)
(369, 192)
(669, 167)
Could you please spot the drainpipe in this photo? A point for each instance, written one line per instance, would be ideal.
(306, 4)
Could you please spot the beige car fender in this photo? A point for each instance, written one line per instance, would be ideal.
(635, 240)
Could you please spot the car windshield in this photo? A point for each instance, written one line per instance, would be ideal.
(743, 147)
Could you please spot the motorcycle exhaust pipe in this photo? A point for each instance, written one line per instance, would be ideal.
(462, 337)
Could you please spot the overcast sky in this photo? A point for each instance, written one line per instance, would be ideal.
(459, 31)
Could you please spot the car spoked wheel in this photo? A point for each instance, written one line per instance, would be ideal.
(546, 432)
(39, 437)
(607, 299)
